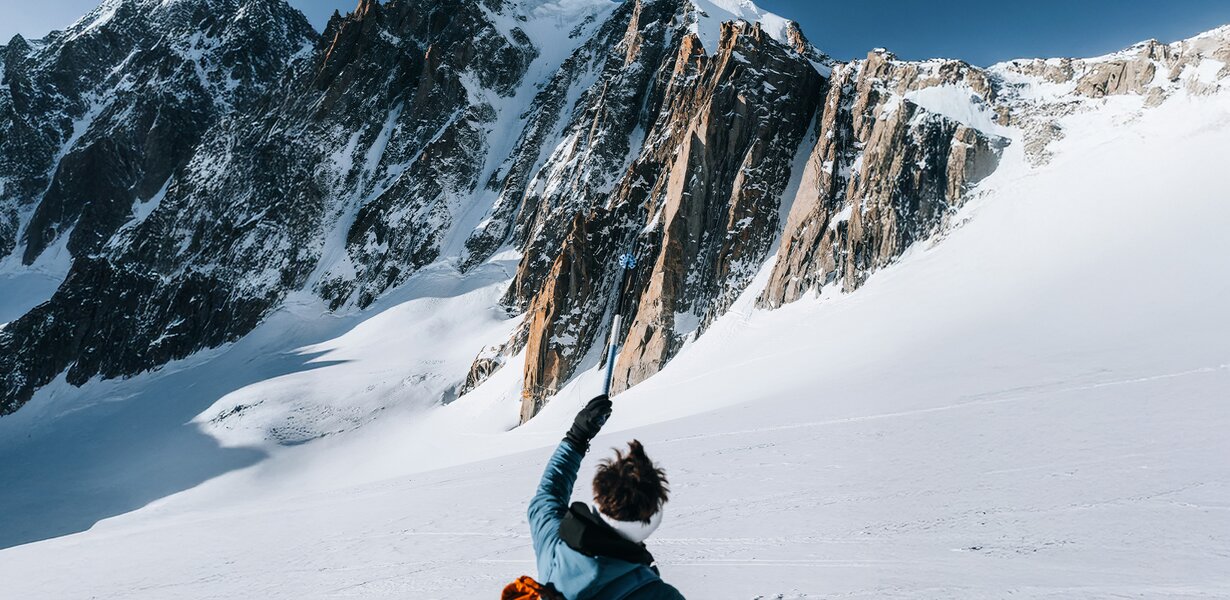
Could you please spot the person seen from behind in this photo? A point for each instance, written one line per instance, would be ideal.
(596, 552)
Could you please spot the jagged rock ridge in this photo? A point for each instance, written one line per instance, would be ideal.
(884, 174)
(342, 179)
(98, 117)
(208, 158)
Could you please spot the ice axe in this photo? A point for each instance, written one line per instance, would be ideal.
(627, 262)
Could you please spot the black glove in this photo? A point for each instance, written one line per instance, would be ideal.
(589, 421)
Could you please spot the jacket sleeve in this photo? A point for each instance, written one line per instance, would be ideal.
(550, 503)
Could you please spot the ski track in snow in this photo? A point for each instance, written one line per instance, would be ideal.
(1015, 397)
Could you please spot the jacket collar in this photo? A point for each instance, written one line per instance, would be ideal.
(586, 532)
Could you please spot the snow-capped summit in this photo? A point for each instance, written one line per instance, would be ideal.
(705, 17)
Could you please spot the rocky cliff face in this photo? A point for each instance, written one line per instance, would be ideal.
(340, 176)
(1040, 90)
(726, 152)
(96, 119)
(1145, 69)
(700, 205)
(98, 126)
(694, 195)
(884, 173)
(203, 160)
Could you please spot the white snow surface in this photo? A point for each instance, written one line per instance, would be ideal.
(959, 103)
(1034, 408)
(22, 287)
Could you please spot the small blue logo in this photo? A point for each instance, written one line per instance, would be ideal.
(627, 261)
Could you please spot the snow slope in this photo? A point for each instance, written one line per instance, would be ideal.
(27, 286)
(959, 103)
(1034, 408)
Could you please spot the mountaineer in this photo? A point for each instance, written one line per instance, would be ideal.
(596, 552)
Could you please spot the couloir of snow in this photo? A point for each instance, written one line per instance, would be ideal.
(1034, 407)
(27, 286)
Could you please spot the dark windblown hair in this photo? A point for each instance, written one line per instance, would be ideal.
(629, 487)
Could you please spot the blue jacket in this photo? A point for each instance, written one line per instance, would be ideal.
(575, 575)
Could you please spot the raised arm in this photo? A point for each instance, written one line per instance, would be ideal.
(550, 503)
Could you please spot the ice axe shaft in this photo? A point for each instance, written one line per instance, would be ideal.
(612, 348)
(626, 262)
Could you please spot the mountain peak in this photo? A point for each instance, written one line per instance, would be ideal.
(706, 16)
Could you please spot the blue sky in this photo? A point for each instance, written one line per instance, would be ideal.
(979, 31)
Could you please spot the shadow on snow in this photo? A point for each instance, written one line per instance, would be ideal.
(75, 456)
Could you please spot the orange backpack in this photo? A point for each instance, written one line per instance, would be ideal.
(525, 588)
